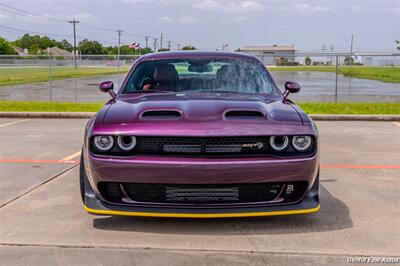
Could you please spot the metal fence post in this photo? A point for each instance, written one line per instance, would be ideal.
(336, 82)
(50, 77)
(76, 88)
(118, 71)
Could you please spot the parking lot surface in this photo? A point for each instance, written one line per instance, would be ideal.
(42, 221)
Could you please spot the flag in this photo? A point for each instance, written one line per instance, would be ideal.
(134, 45)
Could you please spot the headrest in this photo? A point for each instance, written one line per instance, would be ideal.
(165, 73)
(227, 72)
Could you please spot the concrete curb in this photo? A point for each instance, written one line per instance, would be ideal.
(333, 117)
(316, 117)
(46, 114)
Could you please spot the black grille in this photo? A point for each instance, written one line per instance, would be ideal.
(202, 193)
(203, 145)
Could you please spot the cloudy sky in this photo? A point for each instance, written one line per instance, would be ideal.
(208, 24)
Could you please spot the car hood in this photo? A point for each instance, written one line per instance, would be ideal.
(204, 114)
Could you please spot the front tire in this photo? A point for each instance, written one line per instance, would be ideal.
(82, 177)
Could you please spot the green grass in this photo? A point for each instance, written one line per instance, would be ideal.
(22, 106)
(21, 75)
(351, 108)
(385, 74)
(311, 108)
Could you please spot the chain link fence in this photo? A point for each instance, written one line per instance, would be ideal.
(324, 77)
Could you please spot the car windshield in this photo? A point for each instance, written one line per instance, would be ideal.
(200, 75)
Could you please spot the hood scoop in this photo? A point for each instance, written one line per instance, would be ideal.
(244, 114)
(161, 114)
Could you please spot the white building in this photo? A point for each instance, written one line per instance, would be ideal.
(271, 55)
(376, 59)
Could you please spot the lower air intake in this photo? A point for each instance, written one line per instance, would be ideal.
(204, 194)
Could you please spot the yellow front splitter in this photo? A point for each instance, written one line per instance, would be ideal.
(200, 215)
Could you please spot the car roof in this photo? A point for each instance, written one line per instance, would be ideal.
(195, 54)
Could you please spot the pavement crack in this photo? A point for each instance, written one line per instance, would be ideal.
(259, 253)
(37, 186)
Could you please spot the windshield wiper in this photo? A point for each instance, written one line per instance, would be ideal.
(210, 91)
(227, 91)
(152, 91)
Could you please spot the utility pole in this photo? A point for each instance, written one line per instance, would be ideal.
(119, 46)
(155, 45)
(161, 40)
(74, 22)
(351, 49)
(169, 45)
(147, 41)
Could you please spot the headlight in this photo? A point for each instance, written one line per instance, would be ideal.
(279, 143)
(301, 143)
(126, 143)
(103, 143)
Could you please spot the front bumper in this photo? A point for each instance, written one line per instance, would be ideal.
(309, 204)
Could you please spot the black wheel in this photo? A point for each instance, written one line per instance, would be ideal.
(82, 177)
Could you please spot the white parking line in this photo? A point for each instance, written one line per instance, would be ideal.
(12, 123)
(72, 156)
(397, 124)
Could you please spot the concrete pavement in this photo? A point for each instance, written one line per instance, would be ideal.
(42, 217)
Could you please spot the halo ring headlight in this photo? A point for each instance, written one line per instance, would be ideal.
(103, 143)
(279, 143)
(301, 143)
(126, 143)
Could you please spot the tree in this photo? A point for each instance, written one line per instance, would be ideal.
(125, 50)
(348, 60)
(398, 45)
(5, 48)
(36, 43)
(307, 60)
(163, 49)
(188, 47)
(91, 47)
(64, 44)
(146, 50)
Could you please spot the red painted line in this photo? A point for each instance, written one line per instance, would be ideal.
(2, 160)
(352, 166)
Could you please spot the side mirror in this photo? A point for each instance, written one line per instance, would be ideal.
(290, 87)
(108, 87)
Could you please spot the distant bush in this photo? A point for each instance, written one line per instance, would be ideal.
(286, 62)
(5, 48)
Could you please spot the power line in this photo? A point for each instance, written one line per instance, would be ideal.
(19, 11)
(22, 12)
(95, 27)
(35, 32)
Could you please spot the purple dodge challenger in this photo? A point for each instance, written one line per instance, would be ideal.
(200, 135)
